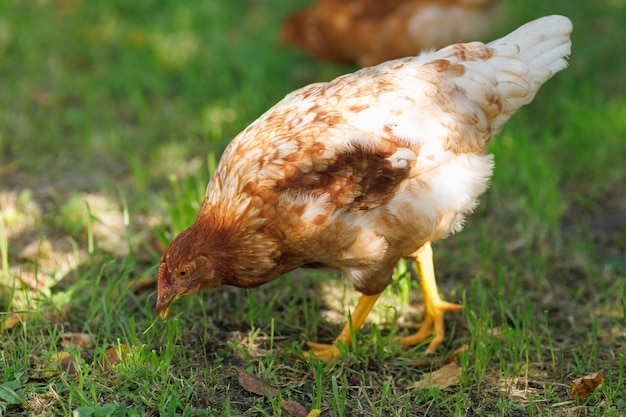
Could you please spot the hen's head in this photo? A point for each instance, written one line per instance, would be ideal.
(185, 268)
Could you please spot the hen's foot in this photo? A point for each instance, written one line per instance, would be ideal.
(434, 306)
(330, 352)
(323, 351)
(432, 324)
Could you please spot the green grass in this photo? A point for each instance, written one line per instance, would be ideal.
(112, 116)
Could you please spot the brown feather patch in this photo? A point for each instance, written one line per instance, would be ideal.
(356, 180)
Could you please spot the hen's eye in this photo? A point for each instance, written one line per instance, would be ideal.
(183, 273)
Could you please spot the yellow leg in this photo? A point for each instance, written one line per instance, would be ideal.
(329, 352)
(434, 306)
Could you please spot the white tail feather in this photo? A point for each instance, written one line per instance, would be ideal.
(542, 45)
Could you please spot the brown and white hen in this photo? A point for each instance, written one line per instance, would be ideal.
(369, 32)
(356, 173)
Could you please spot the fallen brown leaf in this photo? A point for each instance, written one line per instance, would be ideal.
(40, 248)
(58, 363)
(13, 320)
(253, 384)
(82, 340)
(454, 356)
(586, 385)
(443, 377)
(256, 386)
(115, 354)
(294, 408)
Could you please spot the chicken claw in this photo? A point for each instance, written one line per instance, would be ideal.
(355, 321)
(432, 324)
(323, 351)
(434, 306)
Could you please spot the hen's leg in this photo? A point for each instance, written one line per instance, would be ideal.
(362, 309)
(434, 306)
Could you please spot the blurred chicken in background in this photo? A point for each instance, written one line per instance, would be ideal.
(368, 32)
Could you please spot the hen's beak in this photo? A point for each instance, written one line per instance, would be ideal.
(165, 296)
(170, 291)
(164, 306)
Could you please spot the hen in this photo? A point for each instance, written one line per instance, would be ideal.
(356, 173)
(369, 32)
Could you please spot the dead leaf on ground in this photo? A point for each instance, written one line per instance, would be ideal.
(40, 248)
(115, 355)
(58, 363)
(454, 356)
(586, 385)
(314, 413)
(82, 340)
(294, 409)
(253, 384)
(13, 320)
(443, 377)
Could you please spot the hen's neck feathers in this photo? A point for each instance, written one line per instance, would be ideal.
(242, 253)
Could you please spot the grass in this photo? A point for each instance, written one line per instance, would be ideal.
(112, 115)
